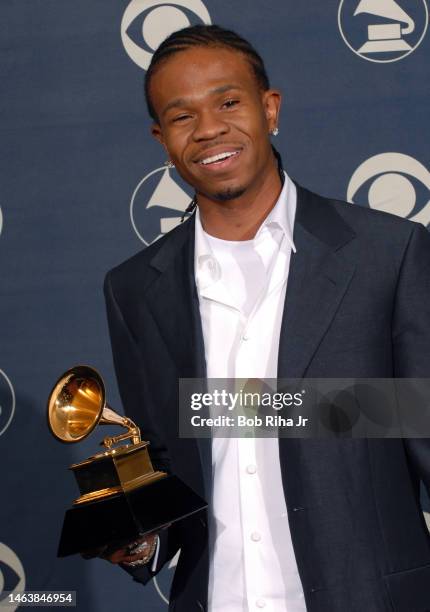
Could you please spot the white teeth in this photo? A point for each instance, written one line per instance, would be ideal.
(215, 158)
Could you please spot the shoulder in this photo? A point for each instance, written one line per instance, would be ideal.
(139, 270)
(367, 224)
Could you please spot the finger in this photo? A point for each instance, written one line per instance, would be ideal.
(146, 541)
(142, 551)
(132, 558)
(138, 554)
(115, 559)
(118, 556)
(126, 554)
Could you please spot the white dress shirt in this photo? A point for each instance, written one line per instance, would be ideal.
(241, 287)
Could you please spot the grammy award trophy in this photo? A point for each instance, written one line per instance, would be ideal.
(122, 497)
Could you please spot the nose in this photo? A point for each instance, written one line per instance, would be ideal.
(209, 126)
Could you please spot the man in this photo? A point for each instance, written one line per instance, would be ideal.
(267, 279)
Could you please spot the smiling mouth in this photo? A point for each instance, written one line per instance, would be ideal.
(219, 158)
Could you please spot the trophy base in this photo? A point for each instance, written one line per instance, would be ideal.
(145, 479)
(126, 516)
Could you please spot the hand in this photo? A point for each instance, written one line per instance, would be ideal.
(135, 553)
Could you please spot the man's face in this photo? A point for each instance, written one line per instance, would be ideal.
(214, 120)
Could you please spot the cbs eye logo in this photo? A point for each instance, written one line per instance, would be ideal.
(395, 183)
(382, 30)
(146, 23)
(7, 402)
(157, 204)
(12, 576)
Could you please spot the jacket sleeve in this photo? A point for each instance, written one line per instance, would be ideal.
(411, 332)
(130, 373)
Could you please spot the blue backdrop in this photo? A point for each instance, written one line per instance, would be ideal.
(83, 187)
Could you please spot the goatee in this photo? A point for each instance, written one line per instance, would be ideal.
(229, 194)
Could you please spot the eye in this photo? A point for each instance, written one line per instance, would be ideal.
(180, 118)
(230, 103)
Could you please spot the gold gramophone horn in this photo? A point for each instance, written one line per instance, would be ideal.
(77, 404)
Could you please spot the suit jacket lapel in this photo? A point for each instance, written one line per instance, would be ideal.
(173, 301)
(174, 304)
(318, 279)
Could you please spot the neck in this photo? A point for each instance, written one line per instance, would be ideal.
(240, 218)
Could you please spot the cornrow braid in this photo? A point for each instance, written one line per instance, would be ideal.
(204, 36)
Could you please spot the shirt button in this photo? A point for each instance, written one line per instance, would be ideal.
(245, 337)
(260, 603)
(255, 536)
(212, 265)
(251, 469)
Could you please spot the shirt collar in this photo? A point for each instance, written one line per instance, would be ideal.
(282, 216)
(283, 213)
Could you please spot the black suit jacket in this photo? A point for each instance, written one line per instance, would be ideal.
(357, 305)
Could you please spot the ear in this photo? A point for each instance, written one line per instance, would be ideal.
(272, 103)
(157, 133)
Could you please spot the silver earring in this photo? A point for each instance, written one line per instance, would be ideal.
(169, 164)
(274, 131)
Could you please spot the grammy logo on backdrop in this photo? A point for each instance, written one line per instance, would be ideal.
(385, 37)
(383, 30)
(158, 204)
